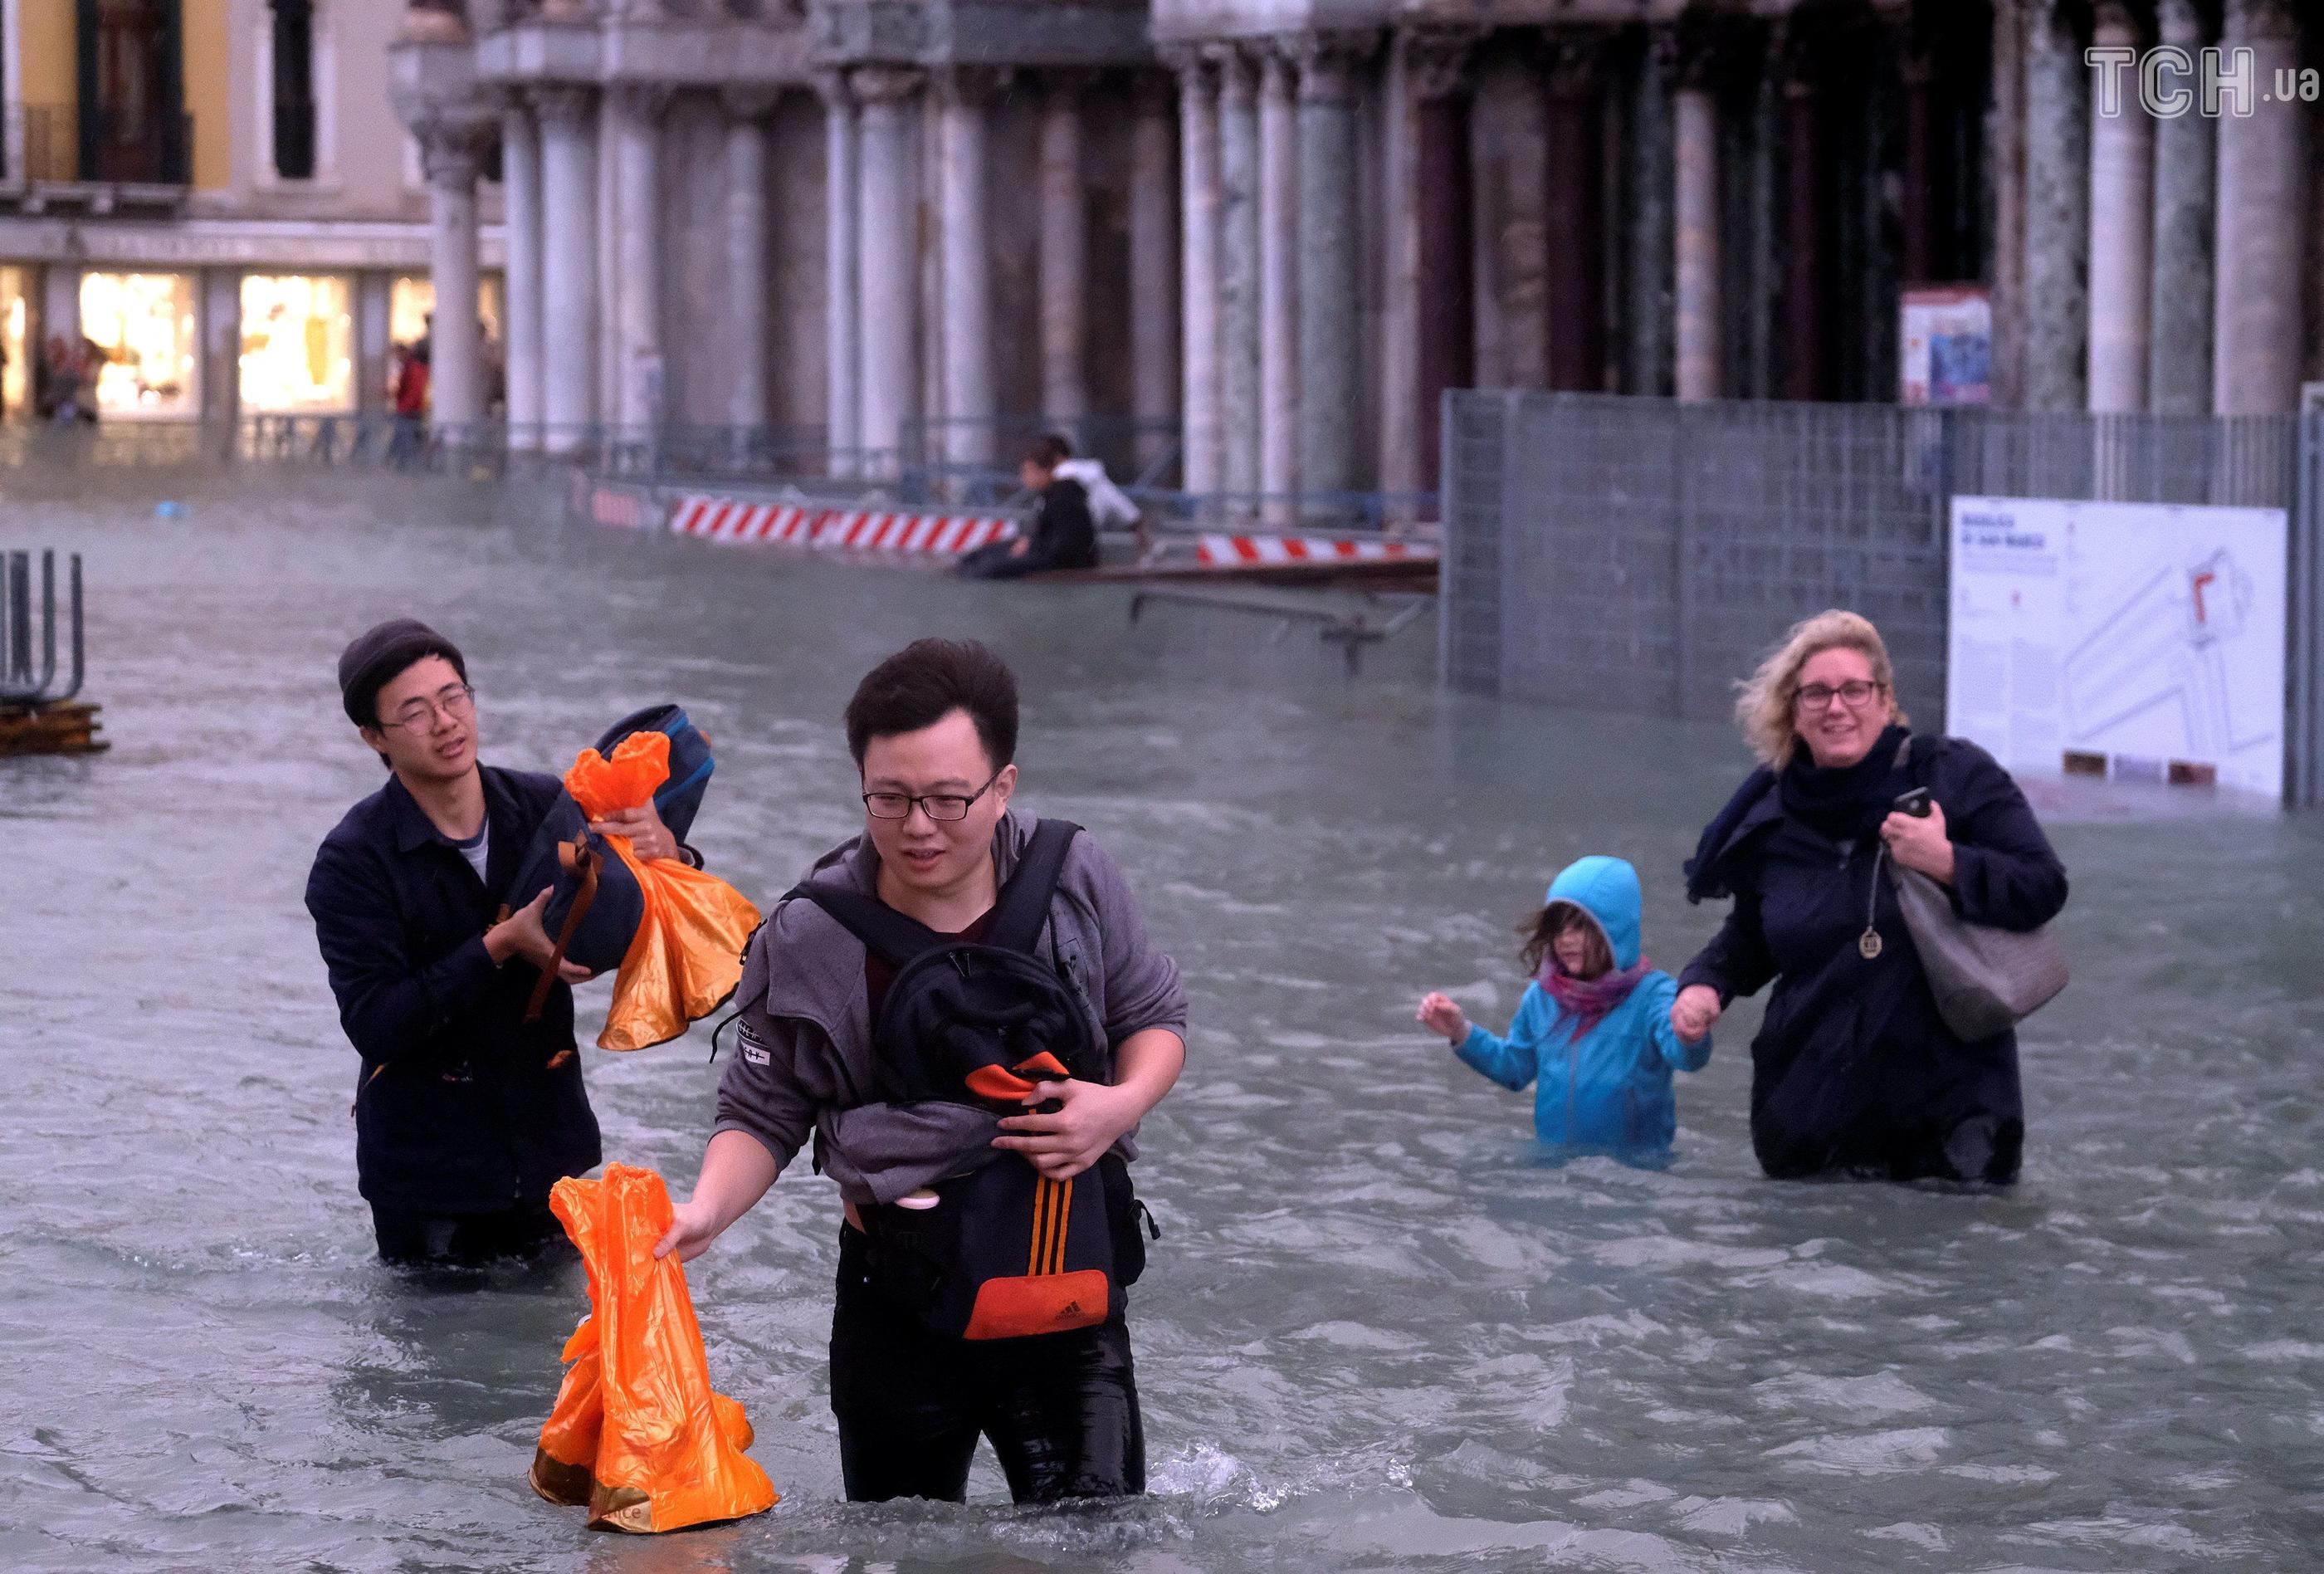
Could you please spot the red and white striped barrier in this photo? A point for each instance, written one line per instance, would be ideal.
(1234, 552)
(726, 519)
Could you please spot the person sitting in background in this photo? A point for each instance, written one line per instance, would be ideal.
(1062, 535)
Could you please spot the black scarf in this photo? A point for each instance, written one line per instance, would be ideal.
(1846, 803)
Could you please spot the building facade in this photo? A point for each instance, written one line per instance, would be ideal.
(1269, 233)
(218, 196)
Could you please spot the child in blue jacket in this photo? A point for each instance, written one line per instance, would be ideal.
(1593, 1030)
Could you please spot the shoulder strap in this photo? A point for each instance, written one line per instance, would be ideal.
(1024, 904)
(888, 934)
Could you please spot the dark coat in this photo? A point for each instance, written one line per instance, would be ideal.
(456, 1107)
(1854, 1071)
(1063, 534)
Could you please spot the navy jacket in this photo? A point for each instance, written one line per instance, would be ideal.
(1854, 1071)
(458, 1110)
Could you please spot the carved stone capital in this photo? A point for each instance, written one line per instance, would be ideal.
(1437, 60)
(1329, 62)
(885, 86)
(749, 104)
(1574, 63)
(452, 150)
(642, 102)
(1238, 69)
(564, 108)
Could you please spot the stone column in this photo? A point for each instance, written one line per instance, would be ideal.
(1331, 262)
(521, 330)
(843, 282)
(746, 257)
(1280, 248)
(1064, 254)
(375, 326)
(1446, 273)
(2122, 223)
(1238, 325)
(456, 380)
(2178, 363)
(964, 224)
(1574, 212)
(636, 174)
(1649, 167)
(1154, 326)
(889, 235)
(2005, 137)
(2263, 206)
(1199, 224)
(2057, 210)
(1695, 294)
(568, 266)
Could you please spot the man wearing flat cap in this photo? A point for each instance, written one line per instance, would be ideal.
(466, 1114)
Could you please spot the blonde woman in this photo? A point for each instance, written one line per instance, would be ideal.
(1854, 1072)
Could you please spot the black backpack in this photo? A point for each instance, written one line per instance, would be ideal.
(1005, 1253)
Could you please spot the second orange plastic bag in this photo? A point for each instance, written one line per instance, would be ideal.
(687, 955)
(637, 1433)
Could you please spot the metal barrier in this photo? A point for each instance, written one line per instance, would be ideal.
(1641, 555)
(22, 684)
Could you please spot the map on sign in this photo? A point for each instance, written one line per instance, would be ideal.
(2140, 641)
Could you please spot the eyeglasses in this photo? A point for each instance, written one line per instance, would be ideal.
(937, 806)
(457, 700)
(1857, 692)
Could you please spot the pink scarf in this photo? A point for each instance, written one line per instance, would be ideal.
(1590, 1001)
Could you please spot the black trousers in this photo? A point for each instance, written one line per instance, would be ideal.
(1061, 1410)
(462, 1239)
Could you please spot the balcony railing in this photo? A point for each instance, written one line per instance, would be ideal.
(58, 143)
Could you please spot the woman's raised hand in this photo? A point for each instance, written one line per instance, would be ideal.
(1438, 1014)
(1694, 1011)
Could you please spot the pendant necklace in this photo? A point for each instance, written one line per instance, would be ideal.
(1868, 944)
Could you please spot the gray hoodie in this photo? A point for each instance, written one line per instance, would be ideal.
(803, 1062)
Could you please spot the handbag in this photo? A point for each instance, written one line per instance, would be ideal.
(1986, 980)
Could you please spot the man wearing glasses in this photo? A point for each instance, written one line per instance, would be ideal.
(466, 1114)
(933, 733)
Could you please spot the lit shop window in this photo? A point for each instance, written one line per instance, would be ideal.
(16, 380)
(144, 325)
(413, 300)
(298, 343)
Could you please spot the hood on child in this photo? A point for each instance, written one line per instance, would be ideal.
(1605, 889)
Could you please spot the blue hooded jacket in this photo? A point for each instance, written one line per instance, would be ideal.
(1611, 1088)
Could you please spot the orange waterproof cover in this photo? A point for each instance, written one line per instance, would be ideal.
(688, 954)
(637, 1433)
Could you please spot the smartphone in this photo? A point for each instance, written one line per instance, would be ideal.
(1915, 803)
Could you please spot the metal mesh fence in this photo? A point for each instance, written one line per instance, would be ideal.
(1642, 554)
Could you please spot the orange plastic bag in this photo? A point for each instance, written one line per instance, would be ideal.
(687, 955)
(637, 1433)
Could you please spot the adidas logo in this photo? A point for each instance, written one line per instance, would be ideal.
(1072, 1309)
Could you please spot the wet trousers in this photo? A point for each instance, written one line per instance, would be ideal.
(1061, 1410)
(462, 1239)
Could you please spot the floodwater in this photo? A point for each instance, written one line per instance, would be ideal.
(1383, 1332)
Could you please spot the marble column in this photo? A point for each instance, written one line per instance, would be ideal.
(2005, 141)
(747, 268)
(1806, 354)
(2057, 210)
(842, 283)
(1280, 248)
(965, 223)
(1445, 273)
(1573, 214)
(636, 174)
(455, 379)
(374, 328)
(889, 235)
(1330, 262)
(2179, 354)
(1647, 360)
(1695, 273)
(1200, 201)
(1064, 255)
(1153, 306)
(521, 330)
(2263, 206)
(1239, 318)
(2122, 223)
(568, 266)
